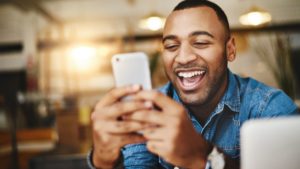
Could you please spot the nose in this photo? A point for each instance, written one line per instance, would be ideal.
(185, 55)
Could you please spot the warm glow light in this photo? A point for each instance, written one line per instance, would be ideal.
(255, 17)
(82, 58)
(153, 23)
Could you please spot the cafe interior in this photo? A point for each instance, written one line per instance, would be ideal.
(55, 64)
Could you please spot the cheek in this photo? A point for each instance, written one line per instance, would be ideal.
(168, 61)
(214, 57)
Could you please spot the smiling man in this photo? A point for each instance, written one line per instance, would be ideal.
(198, 114)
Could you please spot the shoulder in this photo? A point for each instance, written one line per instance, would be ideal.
(165, 89)
(264, 101)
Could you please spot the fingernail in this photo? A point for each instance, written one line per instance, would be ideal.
(148, 104)
(135, 87)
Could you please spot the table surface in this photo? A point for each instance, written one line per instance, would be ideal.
(61, 157)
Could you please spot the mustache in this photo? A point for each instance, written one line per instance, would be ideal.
(190, 66)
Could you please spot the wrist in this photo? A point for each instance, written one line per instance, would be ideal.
(99, 164)
(207, 152)
(202, 160)
(101, 161)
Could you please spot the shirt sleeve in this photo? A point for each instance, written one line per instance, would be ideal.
(278, 104)
(118, 165)
(137, 156)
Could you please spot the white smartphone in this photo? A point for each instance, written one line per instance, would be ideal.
(131, 68)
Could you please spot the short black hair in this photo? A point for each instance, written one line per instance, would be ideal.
(198, 3)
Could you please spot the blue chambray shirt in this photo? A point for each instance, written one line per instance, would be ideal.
(244, 99)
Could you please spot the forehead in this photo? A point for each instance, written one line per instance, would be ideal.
(184, 22)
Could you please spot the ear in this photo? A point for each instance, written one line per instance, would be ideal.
(231, 49)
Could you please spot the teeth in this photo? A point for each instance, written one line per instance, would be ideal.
(190, 74)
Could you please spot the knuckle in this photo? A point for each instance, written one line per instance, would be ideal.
(117, 93)
(114, 108)
(98, 105)
(130, 106)
(114, 93)
(138, 105)
(169, 150)
(122, 126)
(151, 146)
(156, 95)
(172, 136)
(97, 132)
(98, 114)
(121, 106)
(177, 123)
(126, 106)
(179, 108)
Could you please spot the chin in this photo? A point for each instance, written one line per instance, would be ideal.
(193, 99)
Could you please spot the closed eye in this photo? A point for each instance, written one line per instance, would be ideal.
(201, 44)
(171, 47)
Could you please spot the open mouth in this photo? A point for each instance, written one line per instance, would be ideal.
(190, 80)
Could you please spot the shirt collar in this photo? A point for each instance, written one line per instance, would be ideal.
(231, 97)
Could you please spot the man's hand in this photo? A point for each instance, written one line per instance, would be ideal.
(172, 135)
(110, 132)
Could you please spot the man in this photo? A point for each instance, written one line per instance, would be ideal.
(198, 115)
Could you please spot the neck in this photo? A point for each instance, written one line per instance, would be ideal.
(203, 111)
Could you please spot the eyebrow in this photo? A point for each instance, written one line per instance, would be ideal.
(196, 33)
(201, 33)
(168, 37)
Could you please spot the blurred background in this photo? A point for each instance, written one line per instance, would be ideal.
(55, 65)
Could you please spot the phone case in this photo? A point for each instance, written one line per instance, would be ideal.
(131, 68)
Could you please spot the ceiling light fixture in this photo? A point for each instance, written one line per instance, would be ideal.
(153, 22)
(82, 58)
(255, 17)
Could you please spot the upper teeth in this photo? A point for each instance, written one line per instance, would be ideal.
(190, 74)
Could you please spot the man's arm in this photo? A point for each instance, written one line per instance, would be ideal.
(132, 156)
(110, 133)
(138, 156)
(172, 135)
(118, 164)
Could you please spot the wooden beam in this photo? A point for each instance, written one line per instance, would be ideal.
(289, 27)
(286, 27)
(27, 5)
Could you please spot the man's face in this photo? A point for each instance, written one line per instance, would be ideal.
(196, 53)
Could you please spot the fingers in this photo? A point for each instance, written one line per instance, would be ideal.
(109, 133)
(119, 109)
(155, 133)
(116, 94)
(114, 135)
(131, 139)
(157, 147)
(108, 146)
(162, 101)
(119, 127)
(148, 116)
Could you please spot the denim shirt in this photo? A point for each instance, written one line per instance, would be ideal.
(244, 99)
